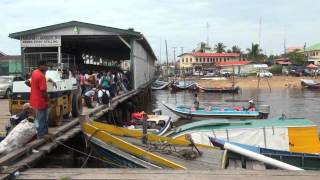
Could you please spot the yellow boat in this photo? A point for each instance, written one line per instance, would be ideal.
(123, 147)
(294, 135)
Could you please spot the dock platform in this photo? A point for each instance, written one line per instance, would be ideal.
(120, 174)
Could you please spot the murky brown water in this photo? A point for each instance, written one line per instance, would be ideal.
(294, 103)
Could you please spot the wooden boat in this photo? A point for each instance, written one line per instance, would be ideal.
(246, 153)
(294, 135)
(183, 85)
(305, 161)
(212, 112)
(123, 147)
(231, 89)
(158, 85)
(309, 83)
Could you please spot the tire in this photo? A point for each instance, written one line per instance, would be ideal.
(8, 94)
(76, 105)
(54, 119)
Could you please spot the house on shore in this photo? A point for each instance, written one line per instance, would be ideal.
(312, 54)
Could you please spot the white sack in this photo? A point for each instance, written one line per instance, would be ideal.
(18, 136)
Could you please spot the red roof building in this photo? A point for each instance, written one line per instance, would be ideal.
(233, 63)
(283, 61)
(205, 59)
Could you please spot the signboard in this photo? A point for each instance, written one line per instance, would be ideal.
(41, 41)
(260, 65)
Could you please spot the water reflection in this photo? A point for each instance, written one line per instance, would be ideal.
(295, 103)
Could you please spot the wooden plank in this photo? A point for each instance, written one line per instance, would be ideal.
(35, 144)
(115, 174)
(30, 160)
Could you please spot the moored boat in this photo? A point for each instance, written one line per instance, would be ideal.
(246, 154)
(294, 135)
(305, 161)
(309, 83)
(183, 85)
(158, 85)
(188, 112)
(125, 147)
(231, 89)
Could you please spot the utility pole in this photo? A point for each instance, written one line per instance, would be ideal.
(208, 27)
(181, 50)
(174, 59)
(167, 57)
(174, 54)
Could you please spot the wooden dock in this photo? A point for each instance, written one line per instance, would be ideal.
(120, 174)
(30, 154)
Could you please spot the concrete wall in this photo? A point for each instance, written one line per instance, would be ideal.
(143, 64)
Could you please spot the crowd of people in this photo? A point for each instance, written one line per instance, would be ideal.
(102, 85)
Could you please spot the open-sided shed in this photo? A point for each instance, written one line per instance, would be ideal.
(87, 46)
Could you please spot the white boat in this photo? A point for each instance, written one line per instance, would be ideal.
(158, 85)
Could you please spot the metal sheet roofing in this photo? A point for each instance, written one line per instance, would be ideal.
(233, 63)
(199, 54)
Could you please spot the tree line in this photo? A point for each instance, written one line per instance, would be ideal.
(255, 54)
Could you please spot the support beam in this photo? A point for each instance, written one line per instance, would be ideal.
(124, 41)
(59, 55)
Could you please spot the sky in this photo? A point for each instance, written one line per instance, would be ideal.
(183, 23)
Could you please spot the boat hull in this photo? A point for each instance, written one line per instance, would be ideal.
(220, 90)
(227, 115)
(302, 160)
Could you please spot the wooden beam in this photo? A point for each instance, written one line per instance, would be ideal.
(124, 41)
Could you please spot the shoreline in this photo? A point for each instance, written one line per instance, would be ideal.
(277, 82)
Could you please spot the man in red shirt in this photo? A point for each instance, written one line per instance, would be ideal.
(39, 98)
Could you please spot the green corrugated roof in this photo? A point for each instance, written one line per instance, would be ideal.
(142, 39)
(244, 124)
(17, 35)
(313, 47)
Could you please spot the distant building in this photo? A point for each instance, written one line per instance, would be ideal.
(9, 64)
(294, 48)
(283, 61)
(312, 54)
(195, 61)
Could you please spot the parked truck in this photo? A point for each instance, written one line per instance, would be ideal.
(64, 97)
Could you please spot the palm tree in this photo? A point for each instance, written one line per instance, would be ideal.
(236, 49)
(220, 47)
(255, 52)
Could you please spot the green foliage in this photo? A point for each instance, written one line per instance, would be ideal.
(236, 49)
(296, 58)
(276, 69)
(255, 53)
(220, 47)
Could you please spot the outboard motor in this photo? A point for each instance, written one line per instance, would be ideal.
(157, 112)
(264, 111)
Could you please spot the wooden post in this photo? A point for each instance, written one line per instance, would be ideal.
(145, 137)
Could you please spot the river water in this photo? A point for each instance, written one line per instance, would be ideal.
(294, 103)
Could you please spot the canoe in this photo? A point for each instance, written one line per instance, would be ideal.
(305, 161)
(232, 89)
(309, 83)
(294, 135)
(182, 85)
(123, 147)
(213, 112)
(245, 153)
(158, 85)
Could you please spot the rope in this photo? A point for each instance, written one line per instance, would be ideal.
(89, 155)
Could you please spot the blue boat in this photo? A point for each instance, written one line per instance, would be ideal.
(188, 112)
(305, 161)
